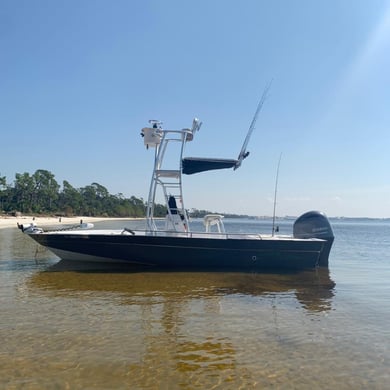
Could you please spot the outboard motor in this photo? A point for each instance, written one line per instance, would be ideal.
(315, 224)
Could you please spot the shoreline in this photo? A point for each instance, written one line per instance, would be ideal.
(9, 222)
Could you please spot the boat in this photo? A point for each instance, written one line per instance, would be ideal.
(175, 246)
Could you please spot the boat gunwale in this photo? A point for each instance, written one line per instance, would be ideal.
(173, 234)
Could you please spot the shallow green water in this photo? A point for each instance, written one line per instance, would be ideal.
(84, 328)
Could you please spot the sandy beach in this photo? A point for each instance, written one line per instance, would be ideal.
(7, 222)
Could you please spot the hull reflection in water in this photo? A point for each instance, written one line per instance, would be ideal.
(197, 330)
(312, 288)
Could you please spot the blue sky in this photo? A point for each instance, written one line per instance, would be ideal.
(79, 79)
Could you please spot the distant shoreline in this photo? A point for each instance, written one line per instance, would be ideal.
(9, 222)
(42, 221)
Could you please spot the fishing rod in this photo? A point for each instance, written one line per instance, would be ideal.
(276, 190)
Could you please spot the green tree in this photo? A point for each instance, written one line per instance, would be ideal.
(138, 206)
(3, 186)
(94, 198)
(70, 199)
(40, 193)
(45, 193)
(23, 193)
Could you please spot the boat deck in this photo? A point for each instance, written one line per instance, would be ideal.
(163, 233)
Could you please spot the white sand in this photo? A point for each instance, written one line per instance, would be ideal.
(7, 222)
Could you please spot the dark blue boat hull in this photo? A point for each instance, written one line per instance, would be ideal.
(187, 253)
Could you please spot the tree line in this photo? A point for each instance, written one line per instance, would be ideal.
(40, 193)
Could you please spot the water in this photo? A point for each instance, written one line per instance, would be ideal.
(65, 328)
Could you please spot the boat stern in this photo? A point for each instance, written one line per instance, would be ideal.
(315, 224)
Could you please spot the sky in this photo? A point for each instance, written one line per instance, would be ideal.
(80, 79)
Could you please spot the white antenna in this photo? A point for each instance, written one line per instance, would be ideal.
(243, 153)
(276, 190)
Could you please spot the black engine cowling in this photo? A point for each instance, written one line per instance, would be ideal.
(315, 224)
